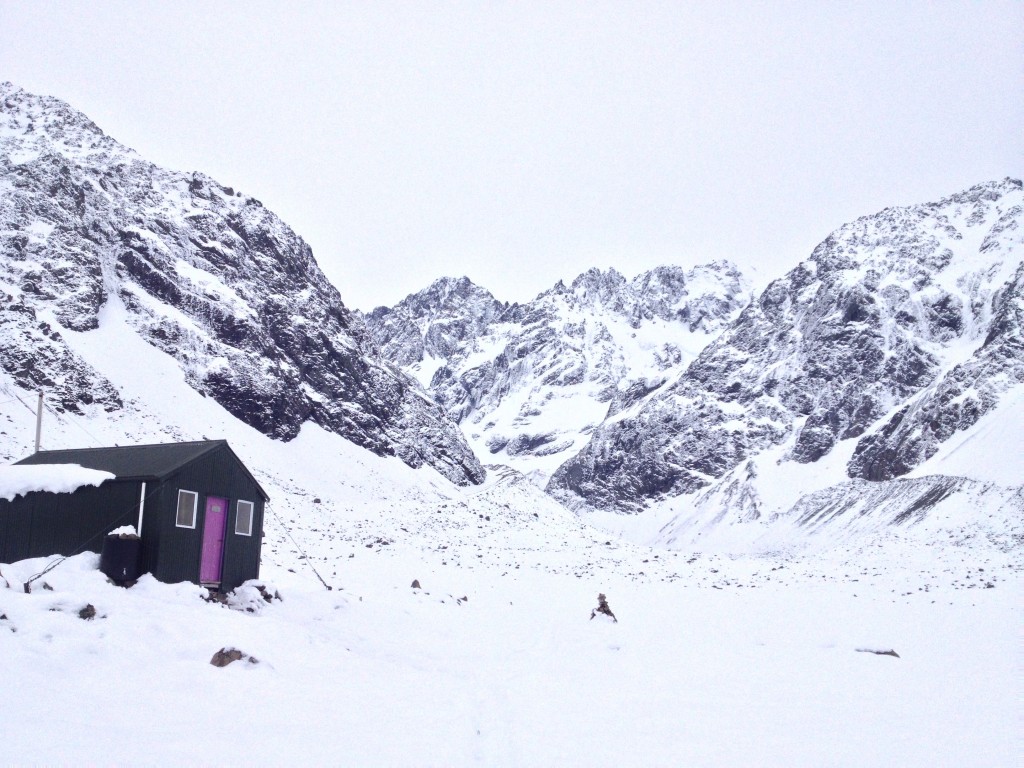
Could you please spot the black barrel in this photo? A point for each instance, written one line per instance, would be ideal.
(119, 559)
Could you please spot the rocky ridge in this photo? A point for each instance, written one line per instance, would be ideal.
(529, 382)
(900, 329)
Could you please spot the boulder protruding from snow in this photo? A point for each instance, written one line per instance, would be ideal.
(226, 656)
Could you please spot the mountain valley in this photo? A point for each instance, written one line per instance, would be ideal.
(801, 497)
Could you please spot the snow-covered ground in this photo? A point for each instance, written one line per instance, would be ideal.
(717, 659)
(483, 668)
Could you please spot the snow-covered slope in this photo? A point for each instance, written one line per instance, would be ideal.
(530, 382)
(202, 272)
(899, 331)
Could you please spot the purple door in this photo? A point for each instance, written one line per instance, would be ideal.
(213, 539)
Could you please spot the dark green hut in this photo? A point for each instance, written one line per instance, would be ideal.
(197, 509)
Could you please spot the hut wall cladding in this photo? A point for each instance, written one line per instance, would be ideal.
(55, 523)
(180, 549)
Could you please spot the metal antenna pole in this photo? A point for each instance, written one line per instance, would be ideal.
(39, 421)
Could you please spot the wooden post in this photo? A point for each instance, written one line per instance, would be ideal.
(39, 421)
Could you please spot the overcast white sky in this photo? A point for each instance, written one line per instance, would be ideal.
(520, 143)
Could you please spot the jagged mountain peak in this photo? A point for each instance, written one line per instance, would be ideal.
(670, 279)
(593, 287)
(432, 322)
(47, 115)
(915, 242)
(529, 381)
(446, 294)
(669, 292)
(598, 279)
(701, 297)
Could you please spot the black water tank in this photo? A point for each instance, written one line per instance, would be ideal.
(119, 559)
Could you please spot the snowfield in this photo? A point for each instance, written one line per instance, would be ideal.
(483, 668)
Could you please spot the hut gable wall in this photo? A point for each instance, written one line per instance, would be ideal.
(242, 553)
(217, 473)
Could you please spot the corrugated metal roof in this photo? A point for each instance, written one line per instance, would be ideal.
(130, 462)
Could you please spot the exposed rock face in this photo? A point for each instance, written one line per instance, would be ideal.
(433, 323)
(206, 274)
(882, 310)
(226, 656)
(956, 402)
(529, 382)
(33, 352)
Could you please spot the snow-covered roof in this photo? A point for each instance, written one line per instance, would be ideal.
(54, 478)
(138, 462)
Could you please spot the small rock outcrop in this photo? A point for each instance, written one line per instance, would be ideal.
(226, 656)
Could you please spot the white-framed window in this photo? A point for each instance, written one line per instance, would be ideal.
(187, 503)
(243, 518)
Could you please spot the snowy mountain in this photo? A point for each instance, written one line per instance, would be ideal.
(91, 233)
(433, 323)
(676, 393)
(899, 331)
(529, 382)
